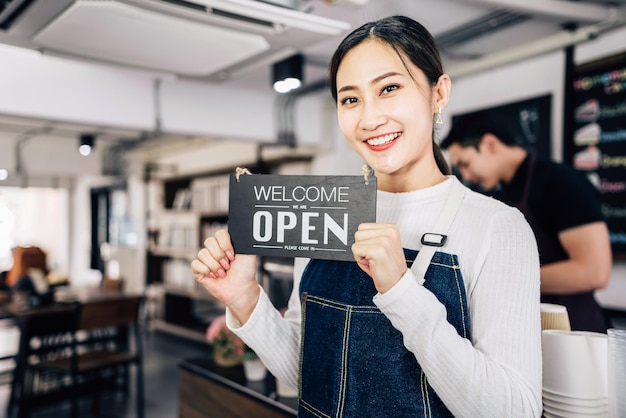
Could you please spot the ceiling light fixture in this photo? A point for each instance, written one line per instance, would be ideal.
(87, 142)
(287, 74)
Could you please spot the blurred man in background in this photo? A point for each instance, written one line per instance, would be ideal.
(561, 205)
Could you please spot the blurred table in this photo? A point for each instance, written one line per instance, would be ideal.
(20, 307)
(20, 304)
(23, 306)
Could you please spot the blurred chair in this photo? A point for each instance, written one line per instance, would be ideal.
(9, 334)
(5, 289)
(46, 335)
(108, 342)
(9, 345)
(24, 259)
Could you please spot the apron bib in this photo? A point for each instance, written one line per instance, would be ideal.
(353, 361)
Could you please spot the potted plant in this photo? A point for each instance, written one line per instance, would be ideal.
(228, 349)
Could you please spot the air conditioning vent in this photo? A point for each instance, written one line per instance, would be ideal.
(10, 10)
(187, 4)
(219, 12)
(222, 13)
(290, 4)
(189, 38)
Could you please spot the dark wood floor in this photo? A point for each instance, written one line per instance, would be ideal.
(161, 355)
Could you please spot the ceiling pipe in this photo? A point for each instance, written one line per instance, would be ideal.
(19, 163)
(578, 12)
(545, 45)
(20, 168)
(285, 111)
(285, 118)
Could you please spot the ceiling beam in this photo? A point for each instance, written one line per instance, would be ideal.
(575, 11)
(541, 46)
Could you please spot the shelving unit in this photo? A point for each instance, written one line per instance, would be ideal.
(193, 208)
(189, 210)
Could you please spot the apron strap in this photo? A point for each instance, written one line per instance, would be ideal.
(437, 238)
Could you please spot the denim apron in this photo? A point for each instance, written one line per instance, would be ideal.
(353, 361)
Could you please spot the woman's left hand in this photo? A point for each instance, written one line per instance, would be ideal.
(378, 251)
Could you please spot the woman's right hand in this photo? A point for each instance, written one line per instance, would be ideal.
(229, 277)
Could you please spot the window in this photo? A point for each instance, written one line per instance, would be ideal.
(35, 216)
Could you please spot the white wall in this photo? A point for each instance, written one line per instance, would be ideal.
(48, 160)
(196, 108)
(603, 46)
(50, 88)
(530, 78)
(38, 217)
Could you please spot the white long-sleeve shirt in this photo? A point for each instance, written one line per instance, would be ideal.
(498, 372)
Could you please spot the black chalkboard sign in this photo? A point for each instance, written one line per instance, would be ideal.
(299, 216)
(599, 137)
(527, 121)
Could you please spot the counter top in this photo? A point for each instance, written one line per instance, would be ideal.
(233, 379)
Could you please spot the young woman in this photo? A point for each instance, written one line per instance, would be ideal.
(454, 331)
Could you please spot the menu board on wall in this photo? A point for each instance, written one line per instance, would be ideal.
(599, 138)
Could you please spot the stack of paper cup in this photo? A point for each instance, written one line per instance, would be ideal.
(617, 372)
(554, 317)
(575, 374)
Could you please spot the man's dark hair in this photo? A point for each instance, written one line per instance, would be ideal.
(467, 130)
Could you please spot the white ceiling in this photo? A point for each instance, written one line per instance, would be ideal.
(473, 34)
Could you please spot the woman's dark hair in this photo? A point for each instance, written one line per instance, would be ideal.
(404, 35)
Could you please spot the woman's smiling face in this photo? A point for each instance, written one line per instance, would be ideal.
(385, 110)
